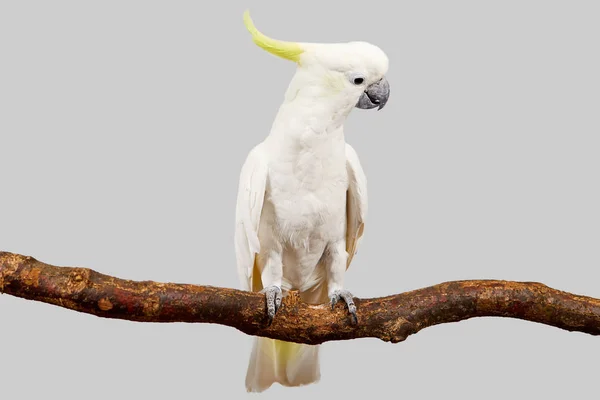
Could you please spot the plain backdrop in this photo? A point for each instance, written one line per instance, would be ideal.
(124, 125)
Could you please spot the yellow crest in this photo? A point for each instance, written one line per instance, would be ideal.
(288, 50)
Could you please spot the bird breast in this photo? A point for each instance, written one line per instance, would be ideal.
(306, 194)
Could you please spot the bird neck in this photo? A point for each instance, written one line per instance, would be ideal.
(312, 110)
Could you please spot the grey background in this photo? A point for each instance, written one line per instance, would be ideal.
(124, 125)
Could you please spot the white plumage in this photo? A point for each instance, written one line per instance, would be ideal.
(302, 199)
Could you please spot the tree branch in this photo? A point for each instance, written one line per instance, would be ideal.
(392, 318)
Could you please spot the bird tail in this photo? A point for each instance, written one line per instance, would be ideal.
(287, 363)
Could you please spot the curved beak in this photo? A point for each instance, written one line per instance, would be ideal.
(376, 95)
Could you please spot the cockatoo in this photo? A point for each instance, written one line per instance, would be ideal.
(302, 195)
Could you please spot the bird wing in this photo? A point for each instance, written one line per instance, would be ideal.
(356, 203)
(250, 199)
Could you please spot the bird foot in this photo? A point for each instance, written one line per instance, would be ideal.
(348, 299)
(273, 296)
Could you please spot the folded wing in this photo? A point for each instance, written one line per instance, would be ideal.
(250, 199)
(356, 203)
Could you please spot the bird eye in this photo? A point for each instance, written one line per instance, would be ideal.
(357, 79)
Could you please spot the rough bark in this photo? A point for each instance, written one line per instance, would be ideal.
(392, 318)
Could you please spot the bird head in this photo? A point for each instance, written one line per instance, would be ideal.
(353, 72)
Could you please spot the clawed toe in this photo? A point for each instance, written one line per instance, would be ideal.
(273, 296)
(348, 299)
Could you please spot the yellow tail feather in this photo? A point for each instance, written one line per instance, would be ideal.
(286, 363)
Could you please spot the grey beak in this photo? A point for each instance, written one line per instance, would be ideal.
(376, 95)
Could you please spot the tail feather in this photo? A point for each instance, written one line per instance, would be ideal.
(286, 363)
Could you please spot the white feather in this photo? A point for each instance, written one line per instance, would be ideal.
(251, 193)
(357, 203)
(302, 200)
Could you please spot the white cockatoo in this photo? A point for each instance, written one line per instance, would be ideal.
(302, 196)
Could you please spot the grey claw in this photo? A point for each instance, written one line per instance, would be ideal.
(348, 299)
(354, 317)
(334, 300)
(273, 295)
